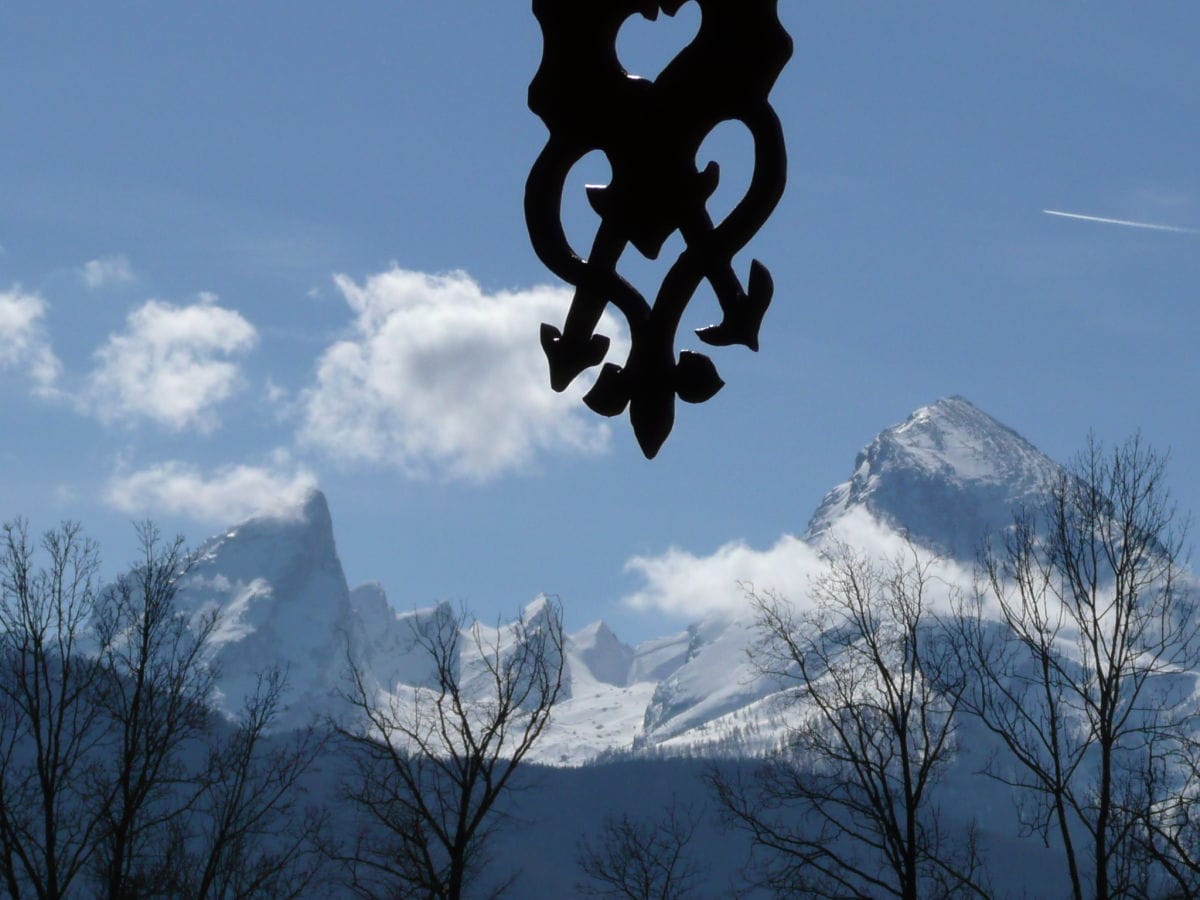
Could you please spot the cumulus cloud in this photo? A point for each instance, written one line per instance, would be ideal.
(106, 270)
(682, 583)
(226, 494)
(171, 364)
(438, 378)
(24, 344)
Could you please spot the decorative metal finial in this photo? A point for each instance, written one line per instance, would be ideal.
(651, 132)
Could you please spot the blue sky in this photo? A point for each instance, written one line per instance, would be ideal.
(251, 247)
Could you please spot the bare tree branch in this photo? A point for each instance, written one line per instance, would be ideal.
(429, 762)
(846, 810)
(155, 695)
(49, 723)
(643, 859)
(1082, 678)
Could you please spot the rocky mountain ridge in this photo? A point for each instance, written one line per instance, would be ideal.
(943, 477)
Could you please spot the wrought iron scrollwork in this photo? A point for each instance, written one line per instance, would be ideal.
(651, 133)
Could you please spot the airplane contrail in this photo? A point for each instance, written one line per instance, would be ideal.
(1128, 224)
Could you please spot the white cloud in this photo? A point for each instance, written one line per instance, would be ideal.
(106, 270)
(276, 395)
(439, 378)
(170, 365)
(24, 344)
(227, 494)
(681, 583)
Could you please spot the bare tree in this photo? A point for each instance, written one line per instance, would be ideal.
(155, 695)
(111, 763)
(49, 723)
(1168, 836)
(1081, 679)
(249, 834)
(430, 762)
(847, 810)
(644, 859)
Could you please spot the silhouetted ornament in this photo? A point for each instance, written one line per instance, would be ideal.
(651, 132)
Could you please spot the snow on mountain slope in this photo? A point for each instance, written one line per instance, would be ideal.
(482, 648)
(384, 639)
(606, 658)
(610, 687)
(595, 718)
(717, 678)
(943, 477)
(282, 598)
(655, 659)
(946, 476)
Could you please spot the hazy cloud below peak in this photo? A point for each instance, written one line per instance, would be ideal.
(685, 584)
(439, 378)
(681, 583)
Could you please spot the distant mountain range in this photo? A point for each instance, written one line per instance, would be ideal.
(944, 478)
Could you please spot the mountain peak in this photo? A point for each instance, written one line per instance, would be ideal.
(946, 476)
(536, 607)
(955, 436)
(311, 508)
(278, 586)
(315, 506)
(305, 527)
(606, 657)
(588, 635)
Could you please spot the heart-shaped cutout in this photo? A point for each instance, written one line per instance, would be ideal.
(646, 47)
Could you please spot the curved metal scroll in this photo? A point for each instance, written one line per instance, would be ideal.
(651, 132)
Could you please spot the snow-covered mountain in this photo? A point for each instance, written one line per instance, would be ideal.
(944, 477)
(282, 599)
